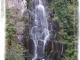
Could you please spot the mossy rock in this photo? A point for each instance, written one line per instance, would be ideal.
(55, 19)
(15, 52)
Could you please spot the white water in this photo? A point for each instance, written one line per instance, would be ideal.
(39, 31)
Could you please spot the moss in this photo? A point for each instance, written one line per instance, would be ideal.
(55, 19)
(8, 13)
(28, 4)
(52, 7)
(15, 51)
(10, 31)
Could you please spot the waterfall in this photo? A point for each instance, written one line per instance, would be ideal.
(39, 31)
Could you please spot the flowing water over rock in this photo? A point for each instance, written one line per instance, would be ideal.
(39, 31)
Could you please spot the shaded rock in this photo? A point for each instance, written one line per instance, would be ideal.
(40, 49)
(48, 47)
(20, 37)
(20, 27)
(30, 46)
(55, 26)
(12, 21)
(57, 46)
(26, 14)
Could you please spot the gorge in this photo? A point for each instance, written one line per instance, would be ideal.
(41, 30)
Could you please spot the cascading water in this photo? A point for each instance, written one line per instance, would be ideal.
(39, 31)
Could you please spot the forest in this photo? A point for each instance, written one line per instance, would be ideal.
(62, 24)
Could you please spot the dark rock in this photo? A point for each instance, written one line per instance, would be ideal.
(56, 26)
(40, 49)
(51, 15)
(30, 46)
(48, 47)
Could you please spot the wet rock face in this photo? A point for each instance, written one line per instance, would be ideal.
(55, 50)
(30, 46)
(40, 49)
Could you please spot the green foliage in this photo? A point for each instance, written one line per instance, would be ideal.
(14, 49)
(55, 18)
(15, 52)
(8, 13)
(52, 7)
(28, 4)
(10, 31)
(73, 57)
(65, 10)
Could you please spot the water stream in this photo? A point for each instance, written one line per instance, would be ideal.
(39, 31)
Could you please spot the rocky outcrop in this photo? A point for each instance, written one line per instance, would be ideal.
(22, 19)
(18, 7)
(18, 4)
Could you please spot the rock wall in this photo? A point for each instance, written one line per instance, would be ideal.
(18, 7)
(22, 19)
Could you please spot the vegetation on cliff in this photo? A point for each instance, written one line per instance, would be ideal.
(65, 13)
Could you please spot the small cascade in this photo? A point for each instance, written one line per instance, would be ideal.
(39, 31)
